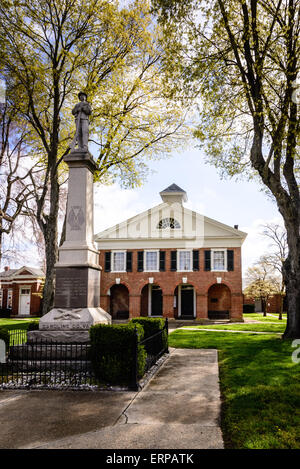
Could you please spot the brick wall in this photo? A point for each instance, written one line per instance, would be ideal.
(273, 303)
(35, 299)
(168, 281)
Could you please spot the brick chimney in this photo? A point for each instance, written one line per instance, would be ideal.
(6, 268)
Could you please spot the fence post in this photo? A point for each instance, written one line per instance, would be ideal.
(135, 386)
(167, 329)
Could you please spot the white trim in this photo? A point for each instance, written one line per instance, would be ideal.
(186, 242)
(20, 295)
(112, 259)
(149, 300)
(105, 235)
(21, 282)
(194, 301)
(145, 260)
(225, 260)
(178, 260)
(179, 301)
(9, 291)
(1, 297)
(150, 315)
(169, 227)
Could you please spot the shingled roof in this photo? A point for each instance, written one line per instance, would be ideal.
(173, 188)
(12, 272)
(173, 193)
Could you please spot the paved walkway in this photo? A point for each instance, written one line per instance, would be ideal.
(226, 330)
(179, 408)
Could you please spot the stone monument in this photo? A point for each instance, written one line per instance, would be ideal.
(77, 291)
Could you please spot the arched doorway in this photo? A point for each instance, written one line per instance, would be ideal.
(185, 302)
(219, 301)
(119, 302)
(151, 300)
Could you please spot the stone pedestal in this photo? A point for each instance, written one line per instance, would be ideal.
(77, 292)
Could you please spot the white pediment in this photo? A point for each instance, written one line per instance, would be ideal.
(189, 226)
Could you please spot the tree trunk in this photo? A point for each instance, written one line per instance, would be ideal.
(281, 305)
(51, 247)
(292, 283)
(263, 304)
(51, 252)
(63, 231)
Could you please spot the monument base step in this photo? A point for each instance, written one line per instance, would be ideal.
(61, 337)
(71, 319)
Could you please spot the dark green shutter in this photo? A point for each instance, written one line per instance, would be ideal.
(140, 256)
(230, 260)
(162, 261)
(195, 260)
(107, 261)
(207, 261)
(173, 261)
(129, 261)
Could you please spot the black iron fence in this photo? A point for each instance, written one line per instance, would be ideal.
(17, 337)
(49, 364)
(45, 364)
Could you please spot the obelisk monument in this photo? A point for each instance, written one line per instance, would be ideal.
(77, 290)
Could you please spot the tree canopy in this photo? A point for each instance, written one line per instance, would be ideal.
(53, 49)
(238, 60)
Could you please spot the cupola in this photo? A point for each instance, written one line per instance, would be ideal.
(173, 194)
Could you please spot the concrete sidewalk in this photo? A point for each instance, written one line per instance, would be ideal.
(179, 408)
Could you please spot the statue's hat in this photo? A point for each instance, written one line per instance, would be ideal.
(82, 93)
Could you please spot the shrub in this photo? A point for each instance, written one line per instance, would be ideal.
(113, 352)
(4, 335)
(33, 326)
(153, 326)
(5, 313)
(248, 309)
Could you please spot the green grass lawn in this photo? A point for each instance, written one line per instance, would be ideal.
(266, 327)
(12, 324)
(268, 318)
(260, 387)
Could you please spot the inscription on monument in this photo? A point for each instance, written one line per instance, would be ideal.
(65, 326)
(71, 288)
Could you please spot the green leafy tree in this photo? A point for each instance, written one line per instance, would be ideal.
(240, 60)
(263, 282)
(52, 49)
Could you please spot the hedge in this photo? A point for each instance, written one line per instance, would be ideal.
(5, 313)
(153, 326)
(113, 352)
(33, 326)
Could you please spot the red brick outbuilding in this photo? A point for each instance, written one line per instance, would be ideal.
(21, 291)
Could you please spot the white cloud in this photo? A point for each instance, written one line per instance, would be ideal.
(113, 205)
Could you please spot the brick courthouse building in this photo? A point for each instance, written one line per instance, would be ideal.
(21, 291)
(173, 262)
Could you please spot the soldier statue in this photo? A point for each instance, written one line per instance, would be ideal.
(81, 111)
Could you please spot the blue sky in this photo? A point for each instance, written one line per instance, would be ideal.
(228, 201)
